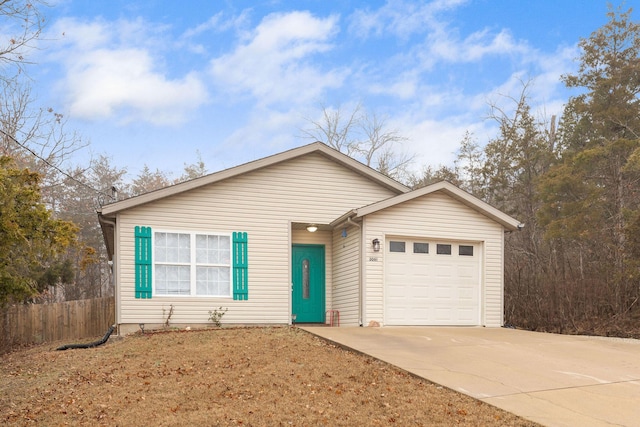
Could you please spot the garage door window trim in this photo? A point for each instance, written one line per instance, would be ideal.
(442, 249)
(420, 248)
(397, 246)
(465, 250)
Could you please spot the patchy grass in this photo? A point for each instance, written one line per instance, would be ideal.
(221, 377)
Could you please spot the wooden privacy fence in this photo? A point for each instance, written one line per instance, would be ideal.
(22, 325)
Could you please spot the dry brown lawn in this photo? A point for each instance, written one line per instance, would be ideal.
(221, 377)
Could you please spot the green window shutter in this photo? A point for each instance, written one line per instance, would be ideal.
(143, 262)
(240, 267)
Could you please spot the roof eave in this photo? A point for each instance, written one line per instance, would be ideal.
(344, 218)
(107, 225)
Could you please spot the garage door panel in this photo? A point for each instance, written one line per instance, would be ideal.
(466, 295)
(420, 314)
(397, 272)
(396, 291)
(467, 315)
(420, 292)
(443, 271)
(443, 314)
(420, 275)
(432, 289)
(443, 292)
(467, 272)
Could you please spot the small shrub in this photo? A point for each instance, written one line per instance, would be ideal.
(215, 316)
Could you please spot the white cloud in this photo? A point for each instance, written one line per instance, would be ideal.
(212, 23)
(436, 142)
(81, 35)
(274, 64)
(441, 39)
(215, 24)
(434, 55)
(480, 44)
(104, 81)
(552, 67)
(400, 18)
(434, 77)
(110, 71)
(444, 44)
(430, 69)
(264, 133)
(403, 87)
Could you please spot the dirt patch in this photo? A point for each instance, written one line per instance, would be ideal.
(244, 376)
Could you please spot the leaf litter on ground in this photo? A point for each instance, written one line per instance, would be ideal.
(226, 377)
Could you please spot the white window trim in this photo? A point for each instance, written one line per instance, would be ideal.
(193, 265)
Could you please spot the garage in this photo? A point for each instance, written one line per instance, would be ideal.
(431, 282)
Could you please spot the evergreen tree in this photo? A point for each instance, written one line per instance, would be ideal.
(32, 242)
(591, 194)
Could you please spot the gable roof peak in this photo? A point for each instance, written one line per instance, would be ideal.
(453, 191)
(314, 147)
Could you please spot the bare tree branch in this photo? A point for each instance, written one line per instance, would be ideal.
(333, 129)
(23, 23)
(364, 137)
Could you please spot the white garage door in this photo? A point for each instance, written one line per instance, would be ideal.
(431, 282)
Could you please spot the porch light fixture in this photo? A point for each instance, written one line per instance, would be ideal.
(312, 228)
(376, 245)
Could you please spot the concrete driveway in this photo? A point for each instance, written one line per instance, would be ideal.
(555, 380)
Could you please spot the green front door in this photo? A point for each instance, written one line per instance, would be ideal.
(308, 283)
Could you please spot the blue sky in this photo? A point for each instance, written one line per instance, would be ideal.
(152, 82)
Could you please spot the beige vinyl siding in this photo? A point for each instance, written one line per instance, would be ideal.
(262, 203)
(436, 216)
(346, 255)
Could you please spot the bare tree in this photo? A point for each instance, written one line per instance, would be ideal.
(381, 146)
(430, 175)
(148, 180)
(194, 170)
(335, 130)
(78, 202)
(35, 137)
(363, 136)
(21, 23)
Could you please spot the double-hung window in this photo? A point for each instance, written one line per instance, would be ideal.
(192, 264)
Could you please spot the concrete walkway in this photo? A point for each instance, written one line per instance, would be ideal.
(555, 380)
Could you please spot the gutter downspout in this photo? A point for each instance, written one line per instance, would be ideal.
(91, 344)
(361, 269)
(104, 220)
